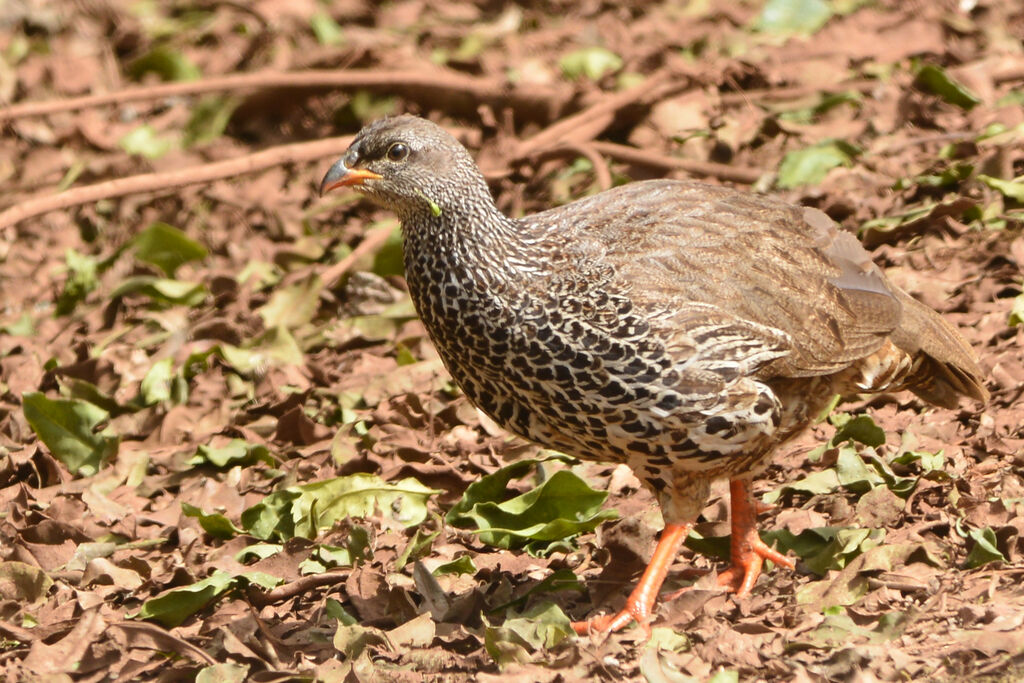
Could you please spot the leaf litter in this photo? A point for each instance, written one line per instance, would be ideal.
(219, 463)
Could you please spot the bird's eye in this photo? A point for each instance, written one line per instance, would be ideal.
(398, 151)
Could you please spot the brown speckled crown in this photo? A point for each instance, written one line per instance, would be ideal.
(683, 328)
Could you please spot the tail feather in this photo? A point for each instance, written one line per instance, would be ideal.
(945, 367)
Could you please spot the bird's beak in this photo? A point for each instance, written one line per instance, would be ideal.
(341, 175)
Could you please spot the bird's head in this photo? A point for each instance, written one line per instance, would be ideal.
(409, 165)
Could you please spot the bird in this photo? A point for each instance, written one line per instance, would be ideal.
(685, 329)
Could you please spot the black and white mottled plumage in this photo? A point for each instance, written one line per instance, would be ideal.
(683, 328)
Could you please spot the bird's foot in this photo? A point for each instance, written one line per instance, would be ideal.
(748, 556)
(609, 623)
(748, 551)
(640, 603)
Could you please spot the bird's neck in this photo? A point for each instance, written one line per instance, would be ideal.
(460, 243)
(465, 269)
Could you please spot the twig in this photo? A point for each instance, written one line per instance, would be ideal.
(151, 182)
(410, 82)
(297, 587)
(590, 153)
(1012, 73)
(144, 634)
(737, 174)
(370, 244)
(586, 125)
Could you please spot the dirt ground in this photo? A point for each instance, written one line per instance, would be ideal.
(229, 452)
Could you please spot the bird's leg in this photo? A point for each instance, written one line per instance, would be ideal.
(748, 551)
(640, 602)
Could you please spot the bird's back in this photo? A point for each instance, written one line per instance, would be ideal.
(786, 268)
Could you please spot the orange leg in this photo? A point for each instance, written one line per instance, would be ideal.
(748, 551)
(641, 601)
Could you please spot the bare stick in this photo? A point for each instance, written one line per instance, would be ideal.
(151, 182)
(437, 80)
(586, 125)
(296, 588)
(371, 243)
(590, 153)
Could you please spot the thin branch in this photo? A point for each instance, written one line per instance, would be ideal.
(590, 153)
(584, 126)
(295, 588)
(152, 182)
(370, 244)
(441, 81)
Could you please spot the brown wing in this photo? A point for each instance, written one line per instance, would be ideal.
(766, 272)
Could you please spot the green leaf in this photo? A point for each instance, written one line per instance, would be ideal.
(22, 327)
(1011, 189)
(215, 524)
(543, 627)
(846, 544)
(144, 141)
(82, 279)
(1017, 312)
(353, 640)
(822, 481)
(166, 247)
(388, 259)
(304, 510)
(725, 676)
(209, 119)
(860, 428)
(156, 386)
(325, 557)
(809, 166)
(936, 81)
(951, 176)
(276, 346)
(366, 105)
(326, 29)
(663, 638)
(294, 305)
(558, 580)
(169, 64)
(792, 17)
(560, 508)
(821, 104)
(928, 462)
(68, 428)
(235, 452)
(592, 62)
(460, 565)
(223, 673)
(984, 549)
(176, 605)
(335, 610)
(258, 551)
(417, 547)
(913, 221)
(838, 630)
(162, 290)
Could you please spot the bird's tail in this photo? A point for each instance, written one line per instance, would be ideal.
(944, 365)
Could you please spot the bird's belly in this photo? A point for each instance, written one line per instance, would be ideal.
(605, 400)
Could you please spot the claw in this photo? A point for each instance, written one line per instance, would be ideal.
(640, 603)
